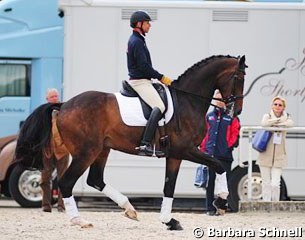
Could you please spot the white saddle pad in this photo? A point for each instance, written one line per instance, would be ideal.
(132, 113)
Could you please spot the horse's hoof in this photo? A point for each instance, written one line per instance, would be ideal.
(220, 205)
(220, 212)
(173, 224)
(47, 208)
(132, 214)
(60, 209)
(81, 222)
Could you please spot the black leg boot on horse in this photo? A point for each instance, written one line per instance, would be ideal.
(146, 148)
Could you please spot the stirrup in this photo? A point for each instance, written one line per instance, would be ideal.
(148, 150)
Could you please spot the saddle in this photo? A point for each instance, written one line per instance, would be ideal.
(128, 91)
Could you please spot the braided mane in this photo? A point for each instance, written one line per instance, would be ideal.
(203, 62)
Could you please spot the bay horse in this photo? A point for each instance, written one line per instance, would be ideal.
(90, 126)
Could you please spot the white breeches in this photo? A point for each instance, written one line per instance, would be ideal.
(148, 93)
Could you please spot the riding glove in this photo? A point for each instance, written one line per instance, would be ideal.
(166, 80)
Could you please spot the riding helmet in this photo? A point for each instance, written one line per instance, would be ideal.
(139, 16)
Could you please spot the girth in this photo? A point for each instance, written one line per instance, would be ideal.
(128, 91)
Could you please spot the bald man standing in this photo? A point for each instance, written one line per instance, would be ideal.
(49, 164)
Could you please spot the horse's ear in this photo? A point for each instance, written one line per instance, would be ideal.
(242, 63)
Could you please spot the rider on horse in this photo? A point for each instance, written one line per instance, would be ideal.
(140, 74)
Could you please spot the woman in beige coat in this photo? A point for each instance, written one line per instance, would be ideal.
(272, 161)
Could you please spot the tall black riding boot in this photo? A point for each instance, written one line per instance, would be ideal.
(146, 148)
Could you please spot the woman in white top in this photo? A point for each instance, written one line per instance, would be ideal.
(272, 161)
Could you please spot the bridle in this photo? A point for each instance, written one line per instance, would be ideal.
(232, 98)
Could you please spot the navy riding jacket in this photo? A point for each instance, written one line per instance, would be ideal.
(222, 135)
(138, 59)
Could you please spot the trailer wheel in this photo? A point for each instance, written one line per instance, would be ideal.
(5, 188)
(24, 187)
(239, 187)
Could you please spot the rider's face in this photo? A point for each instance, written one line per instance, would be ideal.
(146, 26)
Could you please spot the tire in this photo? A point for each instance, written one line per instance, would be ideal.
(5, 189)
(25, 188)
(239, 186)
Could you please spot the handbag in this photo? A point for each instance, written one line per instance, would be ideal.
(260, 140)
(202, 176)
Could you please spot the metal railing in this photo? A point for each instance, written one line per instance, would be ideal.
(251, 130)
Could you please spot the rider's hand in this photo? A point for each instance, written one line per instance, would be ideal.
(166, 80)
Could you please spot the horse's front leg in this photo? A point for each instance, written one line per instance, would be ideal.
(221, 183)
(171, 173)
(196, 156)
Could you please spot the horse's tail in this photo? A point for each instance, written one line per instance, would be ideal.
(35, 136)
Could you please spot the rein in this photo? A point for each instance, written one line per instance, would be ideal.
(225, 100)
(190, 93)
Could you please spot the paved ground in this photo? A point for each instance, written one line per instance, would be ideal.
(7, 203)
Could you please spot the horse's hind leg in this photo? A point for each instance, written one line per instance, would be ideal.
(66, 183)
(172, 170)
(96, 180)
(45, 184)
(61, 166)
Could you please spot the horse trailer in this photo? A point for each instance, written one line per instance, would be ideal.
(270, 35)
(27, 69)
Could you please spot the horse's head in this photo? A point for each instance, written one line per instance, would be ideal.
(225, 73)
(230, 82)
